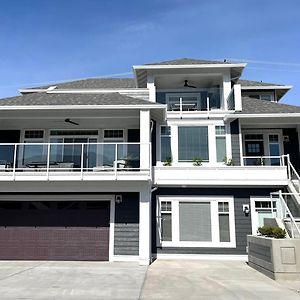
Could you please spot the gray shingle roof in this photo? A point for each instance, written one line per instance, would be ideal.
(96, 83)
(72, 99)
(256, 106)
(187, 61)
(244, 82)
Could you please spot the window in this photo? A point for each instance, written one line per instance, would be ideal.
(166, 221)
(220, 143)
(195, 221)
(262, 96)
(74, 132)
(193, 143)
(165, 143)
(224, 230)
(274, 149)
(34, 134)
(113, 134)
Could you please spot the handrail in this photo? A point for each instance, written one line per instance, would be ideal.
(292, 171)
(282, 201)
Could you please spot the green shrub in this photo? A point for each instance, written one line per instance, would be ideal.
(275, 232)
(197, 161)
(168, 162)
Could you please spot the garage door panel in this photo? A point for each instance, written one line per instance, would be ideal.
(55, 234)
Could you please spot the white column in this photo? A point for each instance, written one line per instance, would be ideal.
(145, 226)
(145, 139)
(237, 97)
(226, 87)
(151, 87)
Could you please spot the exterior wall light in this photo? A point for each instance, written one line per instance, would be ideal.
(246, 209)
(118, 199)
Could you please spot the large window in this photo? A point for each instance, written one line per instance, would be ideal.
(193, 143)
(195, 221)
(165, 143)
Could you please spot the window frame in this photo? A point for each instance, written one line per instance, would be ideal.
(159, 143)
(214, 200)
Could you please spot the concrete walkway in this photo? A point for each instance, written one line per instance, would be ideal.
(70, 280)
(212, 280)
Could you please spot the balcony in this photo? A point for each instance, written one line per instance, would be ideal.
(74, 161)
(272, 172)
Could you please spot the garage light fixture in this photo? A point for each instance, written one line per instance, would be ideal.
(118, 199)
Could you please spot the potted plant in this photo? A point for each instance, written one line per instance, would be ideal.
(197, 161)
(168, 162)
(228, 161)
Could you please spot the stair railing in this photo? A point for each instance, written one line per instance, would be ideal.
(292, 174)
(283, 211)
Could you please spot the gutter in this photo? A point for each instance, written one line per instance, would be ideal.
(252, 116)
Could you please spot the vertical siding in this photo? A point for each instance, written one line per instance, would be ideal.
(126, 237)
(235, 142)
(242, 221)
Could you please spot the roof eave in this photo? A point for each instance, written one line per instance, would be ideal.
(267, 87)
(192, 66)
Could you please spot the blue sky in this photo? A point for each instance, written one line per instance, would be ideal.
(49, 41)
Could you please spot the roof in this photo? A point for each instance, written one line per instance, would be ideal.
(44, 98)
(188, 61)
(256, 106)
(246, 83)
(96, 83)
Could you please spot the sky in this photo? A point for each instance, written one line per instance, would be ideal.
(47, 41)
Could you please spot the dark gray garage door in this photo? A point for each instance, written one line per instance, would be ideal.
(54, 230)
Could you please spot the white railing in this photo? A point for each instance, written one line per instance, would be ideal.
(282, 210)
(79, 158)
(293, 176)
(264, 160)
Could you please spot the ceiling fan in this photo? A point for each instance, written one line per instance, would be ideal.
(186, 84)
(71, 122)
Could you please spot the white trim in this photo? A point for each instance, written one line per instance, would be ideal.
(194, 66)
(267, 87)
(215, 257)
(83, 107)
(129, 258)
(253, 210)
(264, 115)
(112, 228)
(214, 221)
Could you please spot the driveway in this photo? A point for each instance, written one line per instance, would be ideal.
(212, 280)
(70, 280)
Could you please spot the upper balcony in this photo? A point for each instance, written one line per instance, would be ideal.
(74, 161)
(259, 171)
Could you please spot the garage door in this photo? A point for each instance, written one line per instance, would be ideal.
(54, 230)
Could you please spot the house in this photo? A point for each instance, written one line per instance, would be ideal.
(179, 160)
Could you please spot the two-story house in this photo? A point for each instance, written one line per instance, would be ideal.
(179, 160)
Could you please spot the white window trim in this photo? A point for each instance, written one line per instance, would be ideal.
(215, 243)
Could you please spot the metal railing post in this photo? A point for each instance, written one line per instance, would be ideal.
(15, 161)
(48, 160)
(116, 160)
(81, 161)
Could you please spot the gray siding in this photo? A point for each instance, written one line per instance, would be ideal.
(235, 142)
(242, 222)
(126, 240)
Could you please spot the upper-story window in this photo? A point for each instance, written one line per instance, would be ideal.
(165, 143)
(193, 143)
(220, 143)
(267, 96)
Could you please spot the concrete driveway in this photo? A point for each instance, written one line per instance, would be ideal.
(212, 280)
(70, 280)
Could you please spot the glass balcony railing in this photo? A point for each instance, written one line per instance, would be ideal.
(203, 99)
(84, 157)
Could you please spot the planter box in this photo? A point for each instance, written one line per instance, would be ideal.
(276, 258)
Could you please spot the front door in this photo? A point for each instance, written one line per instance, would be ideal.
(255, 149)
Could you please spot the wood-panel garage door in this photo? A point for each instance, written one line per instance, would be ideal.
(54, 230)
